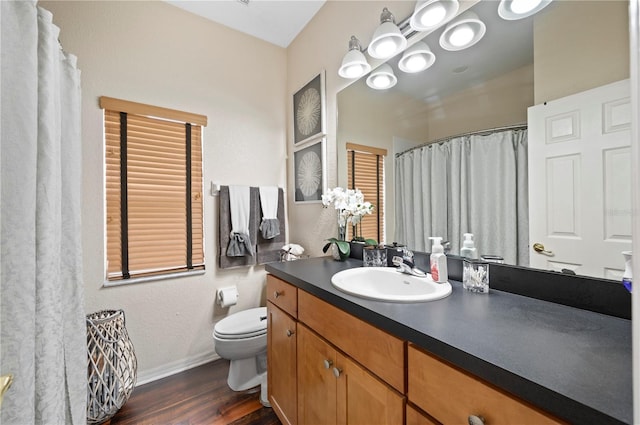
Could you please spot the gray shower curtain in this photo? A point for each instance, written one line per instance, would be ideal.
(42, 334)
(474, 183)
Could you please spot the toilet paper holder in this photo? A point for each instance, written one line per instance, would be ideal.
(227, 296)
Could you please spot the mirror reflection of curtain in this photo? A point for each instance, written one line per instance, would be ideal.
(469, 184)
(43, 329)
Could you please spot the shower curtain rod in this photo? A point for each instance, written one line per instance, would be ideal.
(470, 133)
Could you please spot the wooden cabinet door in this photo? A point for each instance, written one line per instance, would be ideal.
(362, 399)
(316, 382)
(416, 417)
(281, 358)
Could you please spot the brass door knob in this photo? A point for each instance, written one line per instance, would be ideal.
(539, 248)
(5, 383)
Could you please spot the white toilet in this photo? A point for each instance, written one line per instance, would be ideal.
(242, 339)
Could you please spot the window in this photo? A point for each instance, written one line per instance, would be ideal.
(154, 219)
(365, 171)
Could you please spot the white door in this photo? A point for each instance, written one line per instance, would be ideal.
(580, 181)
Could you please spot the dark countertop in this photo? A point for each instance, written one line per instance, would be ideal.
(573, 363)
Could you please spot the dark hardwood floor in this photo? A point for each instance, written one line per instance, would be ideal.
(198, 396)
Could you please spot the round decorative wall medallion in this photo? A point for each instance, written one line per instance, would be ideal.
(309, 173)
(308, 111)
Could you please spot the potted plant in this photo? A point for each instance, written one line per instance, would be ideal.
(358, 242)
(351, 206)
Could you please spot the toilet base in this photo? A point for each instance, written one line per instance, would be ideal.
(246, 373)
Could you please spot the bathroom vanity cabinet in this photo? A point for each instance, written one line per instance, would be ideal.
(282, 329)
(311, 380)
(327, 366)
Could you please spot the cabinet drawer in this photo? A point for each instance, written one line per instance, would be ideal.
(451, 395)
(376, 350)
(282, 294)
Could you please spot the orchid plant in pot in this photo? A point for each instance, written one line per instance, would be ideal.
(351, 207)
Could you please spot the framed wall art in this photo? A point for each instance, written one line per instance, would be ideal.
(309, 111)
(309, 173)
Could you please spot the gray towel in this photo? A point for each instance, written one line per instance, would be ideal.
(268, 250)
(224, 229)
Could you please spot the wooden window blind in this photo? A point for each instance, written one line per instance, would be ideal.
(365, 171)
(153, 190)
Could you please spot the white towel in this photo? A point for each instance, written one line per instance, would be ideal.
(240, 209)
(270, 226)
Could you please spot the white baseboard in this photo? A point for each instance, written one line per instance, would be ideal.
(174, 367)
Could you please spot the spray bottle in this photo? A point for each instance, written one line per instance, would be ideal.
(627, 277)
(468, 249)
(438, 261)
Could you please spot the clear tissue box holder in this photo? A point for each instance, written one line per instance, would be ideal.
(475, 276)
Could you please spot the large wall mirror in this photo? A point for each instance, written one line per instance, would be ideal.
(568, 48)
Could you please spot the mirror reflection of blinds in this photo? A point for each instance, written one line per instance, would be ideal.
(153, 193)
(365, 171)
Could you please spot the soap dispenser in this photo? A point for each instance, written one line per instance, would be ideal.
(438, 261)
(468, 249)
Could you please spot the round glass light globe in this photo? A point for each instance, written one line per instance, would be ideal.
(382, 81)
(461, 35)
(354, 71)
(524, 6)
(416, 63)
(433, 15)
(385, 48)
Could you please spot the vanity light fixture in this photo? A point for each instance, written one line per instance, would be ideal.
(417, 58)
(519, 9)
(387, 39)
(463, 32)
(430, 14)
(354, 64)
(382, 78)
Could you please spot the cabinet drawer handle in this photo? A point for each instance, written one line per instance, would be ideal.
(276, 294)
(337, 372)
(327, 364)
(290, 332)
(475, 420)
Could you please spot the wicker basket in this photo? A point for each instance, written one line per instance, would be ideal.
(112, 365)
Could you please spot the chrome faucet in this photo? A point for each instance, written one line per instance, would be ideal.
(406, 265)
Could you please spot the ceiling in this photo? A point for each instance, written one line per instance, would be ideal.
(275, 21)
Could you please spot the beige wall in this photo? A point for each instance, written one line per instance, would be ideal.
(498, 102)
(571, 51)
(152, 52)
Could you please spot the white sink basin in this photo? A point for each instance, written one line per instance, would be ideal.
(388, 284)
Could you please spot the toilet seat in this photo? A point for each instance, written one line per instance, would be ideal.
(244, 324)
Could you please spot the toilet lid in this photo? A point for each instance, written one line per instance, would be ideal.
(247, 323)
